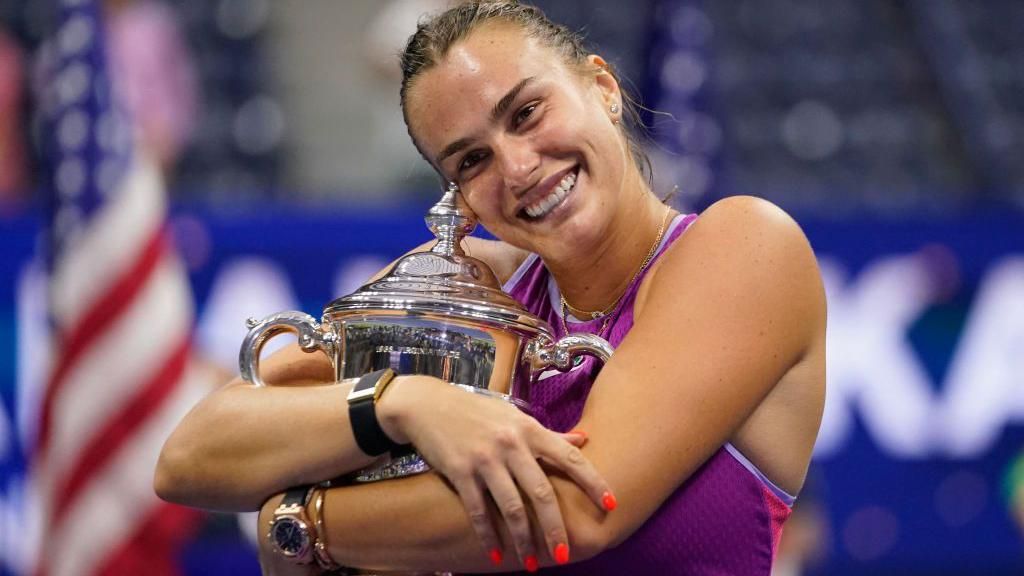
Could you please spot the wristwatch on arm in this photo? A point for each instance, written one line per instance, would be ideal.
(294, 532)
(298, 535)
(291, 531)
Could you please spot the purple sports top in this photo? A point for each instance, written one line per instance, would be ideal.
(725, 519)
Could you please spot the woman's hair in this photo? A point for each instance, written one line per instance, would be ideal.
(435, 36)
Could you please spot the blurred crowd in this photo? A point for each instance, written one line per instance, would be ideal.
(826, 106)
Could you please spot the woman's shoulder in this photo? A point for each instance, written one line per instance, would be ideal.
(738, 213)
(744, 221)
(740, 240)
(504, 259)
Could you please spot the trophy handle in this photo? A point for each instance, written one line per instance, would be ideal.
(559, 354)
(312, 337)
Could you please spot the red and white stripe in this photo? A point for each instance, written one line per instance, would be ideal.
(120, 383)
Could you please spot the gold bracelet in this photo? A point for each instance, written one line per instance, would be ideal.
(320, 552)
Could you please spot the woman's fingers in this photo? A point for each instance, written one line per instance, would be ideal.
(493, 448)
(535, 484)
(472, 496)
(568, 458)
(506, 495)
(575, 437)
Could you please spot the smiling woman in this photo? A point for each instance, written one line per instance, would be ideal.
(526, 125)
(683, 453)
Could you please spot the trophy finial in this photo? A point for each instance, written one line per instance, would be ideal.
(451, 221)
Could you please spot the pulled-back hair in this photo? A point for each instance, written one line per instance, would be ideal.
(436, 35)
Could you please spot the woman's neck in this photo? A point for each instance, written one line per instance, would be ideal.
(597, 278)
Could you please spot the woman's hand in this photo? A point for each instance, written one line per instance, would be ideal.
(482, 445)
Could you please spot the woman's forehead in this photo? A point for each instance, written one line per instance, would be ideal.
(487, 57)
(472, 77)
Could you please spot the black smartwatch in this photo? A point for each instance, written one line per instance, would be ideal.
(362, 413)
(291, 530)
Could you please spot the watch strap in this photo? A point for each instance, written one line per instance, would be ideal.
(362, 414)
(296, 496)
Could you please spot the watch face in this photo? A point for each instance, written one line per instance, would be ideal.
(290, 536)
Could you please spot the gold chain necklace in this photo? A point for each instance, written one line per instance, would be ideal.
(604, 313)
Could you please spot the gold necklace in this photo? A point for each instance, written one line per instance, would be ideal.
(604, 325)
(604, 313)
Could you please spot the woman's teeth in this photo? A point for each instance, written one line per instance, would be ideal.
(544, 205)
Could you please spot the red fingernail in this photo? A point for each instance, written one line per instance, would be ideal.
(562, 553)
(495, 556)
(531, 563)
(578, 433)
(609, 502)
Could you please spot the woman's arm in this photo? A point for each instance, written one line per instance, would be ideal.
(734, 306)
(241, 444)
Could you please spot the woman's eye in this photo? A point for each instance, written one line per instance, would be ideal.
(470, 160)
(524, 114)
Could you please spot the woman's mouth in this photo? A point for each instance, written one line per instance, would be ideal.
(545, 205)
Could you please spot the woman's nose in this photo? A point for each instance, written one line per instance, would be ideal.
(518, 161)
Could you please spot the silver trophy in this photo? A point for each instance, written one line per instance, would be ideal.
(439, 313)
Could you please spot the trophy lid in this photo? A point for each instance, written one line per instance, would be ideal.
(444, 280)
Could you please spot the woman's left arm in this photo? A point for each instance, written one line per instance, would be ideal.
(731, 308)
(736, 304)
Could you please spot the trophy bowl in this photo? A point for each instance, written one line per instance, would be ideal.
(439, 313)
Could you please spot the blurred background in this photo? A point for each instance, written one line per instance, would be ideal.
(893, 131)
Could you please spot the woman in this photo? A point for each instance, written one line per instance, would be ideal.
(697, 432)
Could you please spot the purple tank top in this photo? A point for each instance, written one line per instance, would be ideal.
(725, 519)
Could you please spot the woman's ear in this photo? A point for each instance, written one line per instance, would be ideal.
(607, 84)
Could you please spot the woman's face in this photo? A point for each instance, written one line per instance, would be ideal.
(530, 142)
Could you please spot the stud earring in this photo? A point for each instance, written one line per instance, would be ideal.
(614, 108)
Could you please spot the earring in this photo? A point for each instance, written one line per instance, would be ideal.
(614, 108)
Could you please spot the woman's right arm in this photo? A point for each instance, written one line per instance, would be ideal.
(243, 443)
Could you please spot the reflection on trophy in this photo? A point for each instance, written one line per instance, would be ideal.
(439, 313)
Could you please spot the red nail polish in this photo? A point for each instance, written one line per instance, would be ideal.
(531, 563)
(495, 556)
(609, 502)
(579, 433)
(562, 553)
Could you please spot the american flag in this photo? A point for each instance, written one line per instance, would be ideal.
(122, 317)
